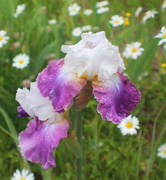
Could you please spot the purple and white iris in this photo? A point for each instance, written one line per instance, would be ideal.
(91, 67)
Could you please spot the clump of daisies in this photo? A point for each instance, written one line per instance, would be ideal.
(149, 14)
(133, 50)
(102, 7)
(19, 10)
(162, 151)
(116, 20)
(22, 175)
(21, 61)
(129, 125)
(3, 38)
(52, 21)
(74, 9)
(162, 36)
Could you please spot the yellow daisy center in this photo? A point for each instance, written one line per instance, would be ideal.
(164, 152)
(0, 38)
(129, 125)
(134, 49)
(21, 61)
(116, 22)
(164, 36)
(74, 9)
(22, 178)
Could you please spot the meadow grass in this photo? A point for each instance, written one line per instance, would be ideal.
(106, 153)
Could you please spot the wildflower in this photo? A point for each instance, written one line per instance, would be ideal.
(128, 14)
(44, 132)
(86, 28)
(162, 36)
(77, 32)
(93, 65)
(149, 14)
(21, 61)
(163, 65)
(3, 38)
(126, 21)
(24, 175)
(19, 10)
(116, 20)
(129, 125)
(102, 4)
(52, 21)
(162, 151)
(133, 50)
(138, 11)
(102, 10)
(88, 12)
(74, 9)
(163, 5)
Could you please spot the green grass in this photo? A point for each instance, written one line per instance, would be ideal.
(106, 153)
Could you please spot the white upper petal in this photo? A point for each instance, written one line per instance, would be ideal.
(93, 55)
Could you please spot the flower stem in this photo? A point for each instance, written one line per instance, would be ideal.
(79, 138)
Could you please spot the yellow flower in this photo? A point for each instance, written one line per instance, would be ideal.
(163, 65)
(128, 14)
(126, 21)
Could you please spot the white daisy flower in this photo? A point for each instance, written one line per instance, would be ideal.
(163, 5)
(3, 38)
(19, 10)
(133, 50)
(102, 4)
(116, 20)
(73, 9)
(24, 175)
(88, 12)
(162, 36)
(21, 61)
(77, 31)
(102, 10)
(52, 21)
(129, 125)
(138, 11)
(86, 28)
(149, 14)
(162, 151)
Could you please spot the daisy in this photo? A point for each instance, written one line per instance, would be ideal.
(133, 50)
(3, 38)
(102, 10)
(138, 11)
(52, 21)
(88, 12)
(73, 9)
(162, 36)
(162, 151)
(102, 4)
(86, 28)
(149, 14)
(129, 125)
(21, 61)
(24, 175)
(19, 10)
(163, 5)
(77, 32)
(116, 20)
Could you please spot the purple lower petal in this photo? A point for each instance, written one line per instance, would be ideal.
(21, 112)
(117, 97)
(60, 86)
(38, 141)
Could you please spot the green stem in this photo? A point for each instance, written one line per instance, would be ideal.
(79, 138)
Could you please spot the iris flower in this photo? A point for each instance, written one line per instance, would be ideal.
(92, 66)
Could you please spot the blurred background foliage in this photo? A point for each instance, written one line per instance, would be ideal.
(107, 154)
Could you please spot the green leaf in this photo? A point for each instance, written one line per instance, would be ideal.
(74, 147)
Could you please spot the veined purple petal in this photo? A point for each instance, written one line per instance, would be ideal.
(21, 112)
(40, 138)
(117, 97)
(59, 85)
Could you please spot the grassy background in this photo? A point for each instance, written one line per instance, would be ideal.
(107, 154)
